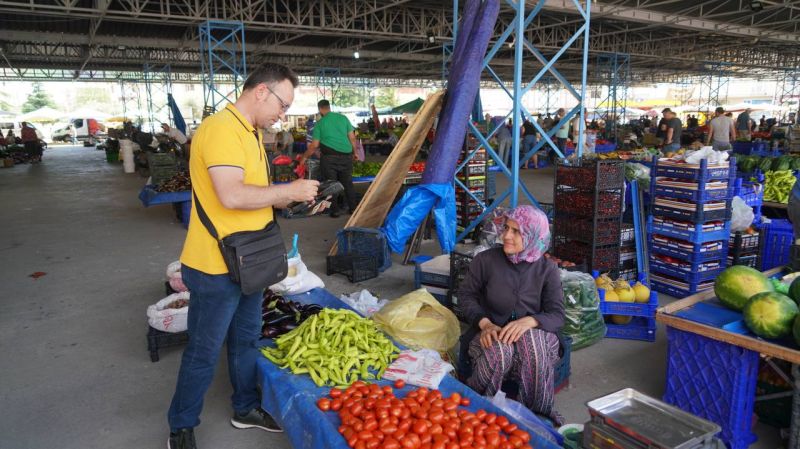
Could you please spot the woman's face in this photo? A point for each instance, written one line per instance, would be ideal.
(512, 238)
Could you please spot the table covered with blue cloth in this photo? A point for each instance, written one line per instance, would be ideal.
(182, 201)
(291, 399)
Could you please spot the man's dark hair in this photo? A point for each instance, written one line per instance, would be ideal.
(323, 104)
(269, 73)
(720, 110)
(665, 110)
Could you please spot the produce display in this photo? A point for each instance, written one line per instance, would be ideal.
(180, 182)
(366, 168)
(583, 321)
(373, 417)
(561, 263)
(770, 314)
(778, 185)
(738, 283)
(177, 304)
(280, 315)
(334, 347)
(748, 164)
(622, 291)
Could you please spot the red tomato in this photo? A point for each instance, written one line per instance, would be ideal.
(389, 428)
(502, 421)
(358, 425)
(391, 443)
(419, 427)
(382, 413)
(352, 440)
(522, 435)
(370, 424)
(396, 410)
(455, 397)
(450, 406)
(490, 418)
(356, 409)
(465, 402)
(373, 443)
(404, 425)
(436, 415)
(515, 441)
(492, 439)
(436, 429)
(510, 428)
(453, 445)
(399, 383)
(336, 404)
(324, 404)
(379, 435)
(360, 444)
(438, 445)
(405, 413)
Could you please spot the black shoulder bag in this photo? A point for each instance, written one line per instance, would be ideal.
(255, 259)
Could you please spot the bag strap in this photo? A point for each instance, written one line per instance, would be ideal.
(204, 217)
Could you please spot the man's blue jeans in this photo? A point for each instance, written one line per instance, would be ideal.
(217, 310)
(672, 147)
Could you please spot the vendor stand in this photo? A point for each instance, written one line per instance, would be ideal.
(713, 363)
(181, 201)
(292, 399)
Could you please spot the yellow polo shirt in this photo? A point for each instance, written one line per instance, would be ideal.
(224, 139)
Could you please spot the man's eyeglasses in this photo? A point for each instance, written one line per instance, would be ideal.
(284, 105)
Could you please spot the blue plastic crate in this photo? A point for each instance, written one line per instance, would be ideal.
(428, 278)
(694, 255)
(691, 276)
(640, 328)
(745, 148)
(690, 236)
(647, 310)
(777, 238)
(667, 285)
(751, 192)
(563, 366)
(715, 381)
(699, 195)
(701, 173)
(491, 184)
(364, 242)
(698, 215)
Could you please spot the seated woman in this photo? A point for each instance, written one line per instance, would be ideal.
(513, 300)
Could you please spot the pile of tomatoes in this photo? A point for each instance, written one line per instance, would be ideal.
(373, 417)
(417, 167)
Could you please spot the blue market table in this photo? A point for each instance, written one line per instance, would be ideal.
(181, 201)
(291, 399)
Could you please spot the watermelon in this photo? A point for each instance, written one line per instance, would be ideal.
(765, 164)
(794, 290)
(796, 163)
(738, 283)
(779, 286)
(770, 314)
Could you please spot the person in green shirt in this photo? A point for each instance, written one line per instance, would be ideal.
(334, 137)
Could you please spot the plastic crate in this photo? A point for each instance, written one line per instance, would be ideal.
(715, 381)
(691, 275)
(700, 194)
(473, 181)
(694, 255)
(491, 184)
(428, 278)
(562, 368)
(627, 235)
(160, 174)
(701, 173)
(647, 309)
(677, 288)
(601, 231)
(601, 258)
(365, 242)
(588, 204)
(547, 208)
(282, 173)
(745, 148)
(751, 192)
(157, 340)
(640, 328)
(591, 175)
(777, 240)
(356, 267)
(469, 208)
(474, 168)
(750, 260)
(691, 236)
(696, 215)
(160, 159)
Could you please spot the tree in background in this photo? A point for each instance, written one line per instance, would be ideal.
(37, 99)
(387, 98)
(96, 98)
(347, 97)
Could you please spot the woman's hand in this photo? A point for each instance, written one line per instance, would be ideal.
(489, 332)
(514, 330)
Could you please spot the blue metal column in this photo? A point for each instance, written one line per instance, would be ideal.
(516, 31)
(222, 49)
(327, 81)
(158, 84)
(615, 67)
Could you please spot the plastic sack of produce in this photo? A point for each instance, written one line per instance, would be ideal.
(418, 320)
(529, 420)
(174, 277)
(298, 279)
(742, 215)
(423, 368)
(638, 172)
(363, 302)
(169, 314)
(582, 318)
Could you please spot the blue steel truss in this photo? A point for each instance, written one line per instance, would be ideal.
(787, 93)
(447, 52)
(158, 84)
(615, 68)
(522, 47)
(713, 87)
(131, 99)
(222, 49)
(552, 89)
(327, 81)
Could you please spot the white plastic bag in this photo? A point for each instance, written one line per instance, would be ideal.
(694, 157)
(174, 277)
(363, 302)
(299, 279)
(423, 368)
(168, 320)
(524, 416)
(359, 150)
(741, 215)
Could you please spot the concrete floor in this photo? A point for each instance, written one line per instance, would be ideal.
(76, 372)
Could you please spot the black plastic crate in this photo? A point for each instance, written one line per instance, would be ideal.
(591, 175)
(157, 340)
(599, 231)
(741, 243)
(459, 266)
(601, 258)
(356, 267)
(580, 203)
(161, 159)
(283, 173)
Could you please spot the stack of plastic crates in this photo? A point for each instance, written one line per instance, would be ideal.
(744, 249)
(777, 238)
(689, 225)
(162, 166)
(587, 217)
(627, 253)
(473, 176)
(433, 274)
(630, 320)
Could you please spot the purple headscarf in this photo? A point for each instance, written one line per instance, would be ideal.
(535, 230)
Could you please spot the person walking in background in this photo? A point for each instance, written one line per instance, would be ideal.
(672, 139)
(561, 134)
(33, 145)
(528, 142)
(230, 182)
(743, 124)
(334, 137)
(503, 136)
(575, 124)
(721, 131)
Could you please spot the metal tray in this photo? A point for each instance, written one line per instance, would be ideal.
(651, 420)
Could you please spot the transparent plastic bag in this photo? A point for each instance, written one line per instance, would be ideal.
(525, 417)
(418, 320)
(742, 215)
(582, 318)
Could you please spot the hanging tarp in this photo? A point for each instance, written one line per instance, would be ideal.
(411, 210)
(410, 108)
(177, 117)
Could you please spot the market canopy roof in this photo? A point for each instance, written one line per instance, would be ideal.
(411, 107)
(43, 114)
(86, 113)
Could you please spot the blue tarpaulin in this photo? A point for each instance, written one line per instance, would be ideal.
(291, 399)
(410, 211)
(177, 117)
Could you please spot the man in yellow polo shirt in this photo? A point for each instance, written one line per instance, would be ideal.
(230, 178)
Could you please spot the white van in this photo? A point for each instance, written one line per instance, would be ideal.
(87, 129)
